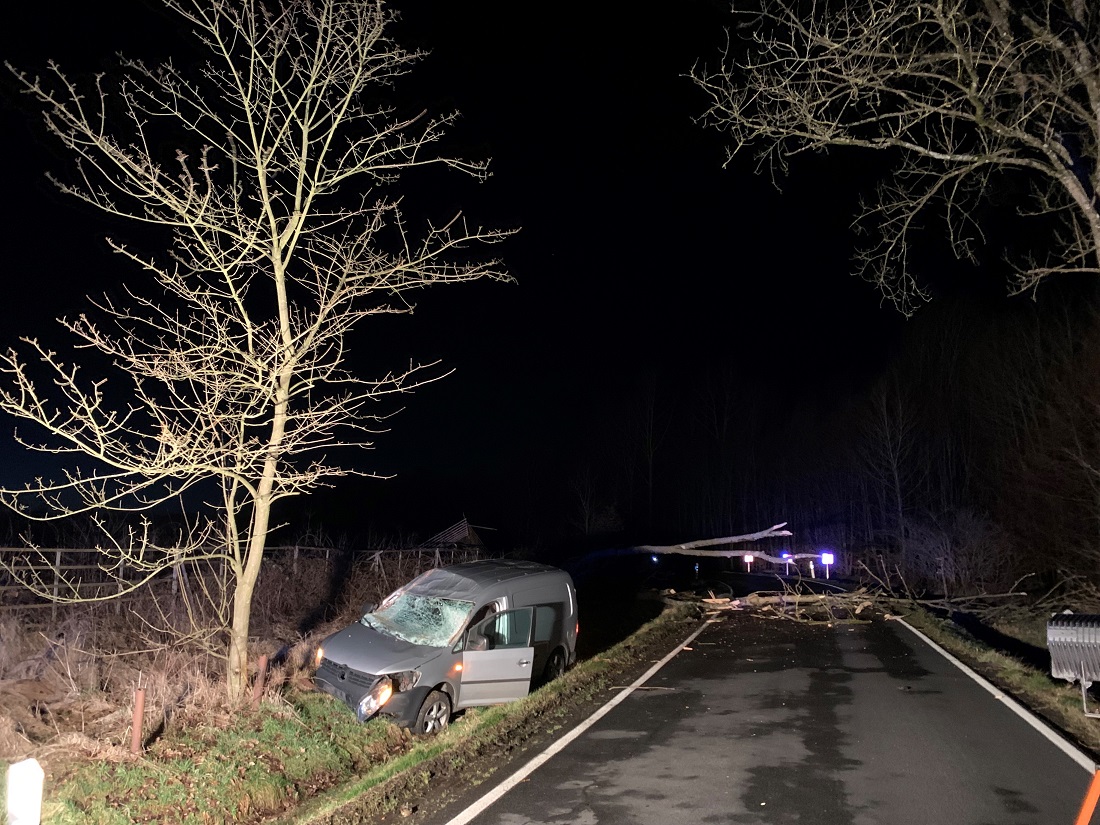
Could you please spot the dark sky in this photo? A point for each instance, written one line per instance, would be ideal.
(640, 258)
(639, 255)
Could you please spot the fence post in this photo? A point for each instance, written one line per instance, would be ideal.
(25, 793)
(121, 577)
(139, 718)
(258, 685)
(294, 565)
(56, 585)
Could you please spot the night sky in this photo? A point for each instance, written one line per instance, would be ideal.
(640, 260)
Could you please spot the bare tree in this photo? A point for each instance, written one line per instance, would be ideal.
(284, 234)
(583, 487)
(958, 91)
(1051, 499)
(651, 426)
(890, 429)
(594, 512)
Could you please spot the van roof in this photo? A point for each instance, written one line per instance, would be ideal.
(486, 571)
(467, 580)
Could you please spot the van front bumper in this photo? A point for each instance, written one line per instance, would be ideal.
(350, 686)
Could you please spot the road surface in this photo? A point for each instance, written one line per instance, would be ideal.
(770, 721)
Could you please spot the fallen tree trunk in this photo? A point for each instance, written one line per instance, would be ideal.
(793, 603)
(695, 548)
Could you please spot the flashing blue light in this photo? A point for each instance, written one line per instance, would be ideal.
(653, 559)
(827, 559)
(786, 555)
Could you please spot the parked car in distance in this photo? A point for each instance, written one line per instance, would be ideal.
(478, 633)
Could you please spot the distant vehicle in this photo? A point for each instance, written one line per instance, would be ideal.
(455, 637)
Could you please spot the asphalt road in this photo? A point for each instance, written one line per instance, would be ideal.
(776, 722)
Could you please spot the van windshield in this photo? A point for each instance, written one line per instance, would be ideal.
(420, 620)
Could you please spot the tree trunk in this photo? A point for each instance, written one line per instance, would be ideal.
(237, 665)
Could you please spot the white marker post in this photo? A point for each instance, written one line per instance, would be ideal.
(25, 792)
(747, 558)
(827, 559)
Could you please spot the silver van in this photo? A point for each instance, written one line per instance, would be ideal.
(455, 637)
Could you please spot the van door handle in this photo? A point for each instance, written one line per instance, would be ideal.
(523, 662)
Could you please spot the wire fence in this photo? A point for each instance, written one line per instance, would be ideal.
(71, 574)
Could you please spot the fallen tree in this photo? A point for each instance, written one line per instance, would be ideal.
(696, 548)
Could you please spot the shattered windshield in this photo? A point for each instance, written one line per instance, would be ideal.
(420, 620)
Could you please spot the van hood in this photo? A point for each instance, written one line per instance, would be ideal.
(368, 651)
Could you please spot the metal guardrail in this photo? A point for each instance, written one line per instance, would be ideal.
(1073, 640)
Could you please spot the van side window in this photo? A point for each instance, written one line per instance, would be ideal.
(474, 638)
(485, 612)
(504, 630)
(547, 622)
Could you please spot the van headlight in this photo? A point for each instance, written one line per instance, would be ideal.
(375, 698)
(383, 688)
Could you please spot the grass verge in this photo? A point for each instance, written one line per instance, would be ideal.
(262, 763)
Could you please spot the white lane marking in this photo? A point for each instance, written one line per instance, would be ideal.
(500, 790)
(1065, 747)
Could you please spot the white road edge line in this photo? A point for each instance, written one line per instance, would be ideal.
(500, 790)
(1065, 747)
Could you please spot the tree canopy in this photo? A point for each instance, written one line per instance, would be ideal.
(956, 92)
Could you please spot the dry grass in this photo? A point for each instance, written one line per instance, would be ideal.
(1029, 627)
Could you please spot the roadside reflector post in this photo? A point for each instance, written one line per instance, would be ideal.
(139, 716)
(827, 560)
(747, 558)
(1092, 796)
(25, 793)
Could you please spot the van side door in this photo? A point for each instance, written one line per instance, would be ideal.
(497, 659)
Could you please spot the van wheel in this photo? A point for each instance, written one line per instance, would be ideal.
(434, 714)
(555, 667)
